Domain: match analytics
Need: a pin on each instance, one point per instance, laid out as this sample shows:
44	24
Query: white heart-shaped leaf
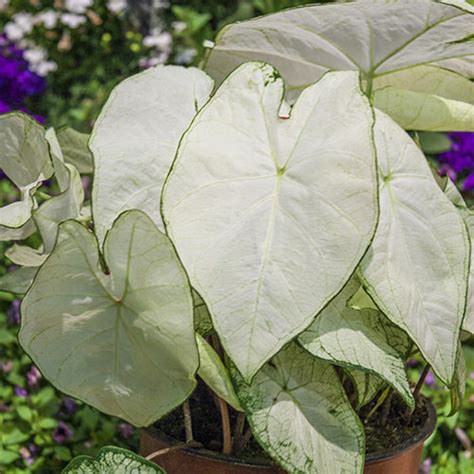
360	339
299	413
266	241
135	138
375	37
417	267
110	339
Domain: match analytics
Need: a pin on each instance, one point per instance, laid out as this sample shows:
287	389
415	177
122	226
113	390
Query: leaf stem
226	433
421	380
188	422
162	451
238	431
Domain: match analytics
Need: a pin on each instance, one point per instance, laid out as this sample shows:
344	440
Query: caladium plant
280	235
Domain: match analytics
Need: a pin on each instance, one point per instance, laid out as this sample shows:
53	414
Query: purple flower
125	430
412	363
425	467
68	406
33	376
27	456
458	162
17	81
13	313
63	433
430	379
21	392
471	375
4	408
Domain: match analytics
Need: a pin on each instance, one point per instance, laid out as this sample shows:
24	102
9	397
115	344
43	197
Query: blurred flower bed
59	60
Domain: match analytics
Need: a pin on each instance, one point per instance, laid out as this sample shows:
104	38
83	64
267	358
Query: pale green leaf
458	387
25	256
416	269
420	111
376	37
300	415
202	318
24	157
110	339
468	216
215	374
112	460
266	242
64	206
25	160
430	80
19	280
366	384
135	138
74	146
360	339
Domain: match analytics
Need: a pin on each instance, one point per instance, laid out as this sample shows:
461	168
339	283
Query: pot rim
400	448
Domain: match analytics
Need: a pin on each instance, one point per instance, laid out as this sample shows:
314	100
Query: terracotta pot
402	459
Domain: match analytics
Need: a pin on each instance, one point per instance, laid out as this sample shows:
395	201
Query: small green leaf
47	423
112	460
8	457
215	374
25	413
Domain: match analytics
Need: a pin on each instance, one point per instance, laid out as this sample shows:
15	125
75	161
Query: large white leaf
376	37
360	339
110	339
416	269
270	216
299	413
135	138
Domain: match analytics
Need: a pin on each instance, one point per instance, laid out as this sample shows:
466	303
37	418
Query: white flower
185	56
49	19
117	6
72	20
35	56
44	68
3	4
78	6
161	41
179	26
24	21
13	31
